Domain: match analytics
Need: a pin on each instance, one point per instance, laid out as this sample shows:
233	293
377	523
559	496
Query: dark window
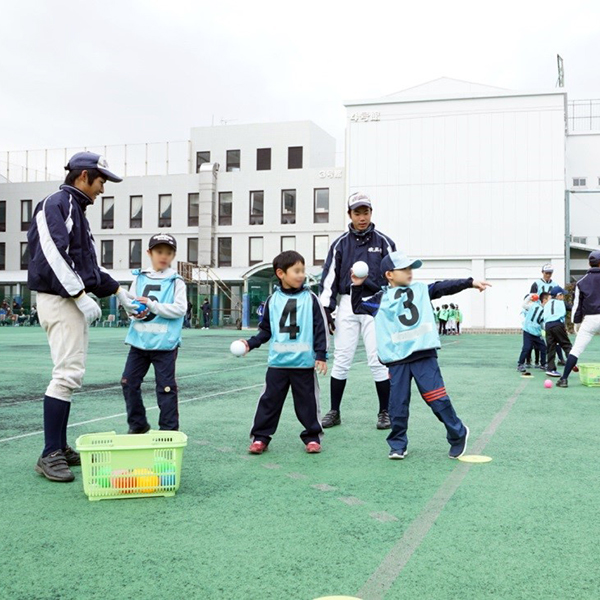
135	254
233	160
193	203
24	255
288	242
201	158
321	205
106	254
224	252
25	214
164	210
320	249
579	182
257	200
263	159
3	215
108	212
2	256
136	210
255	250
288	207
295	157
192	250
225	208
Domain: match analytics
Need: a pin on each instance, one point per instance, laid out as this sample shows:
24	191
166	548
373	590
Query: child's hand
356	280
481	285
247	346
321	367
144	313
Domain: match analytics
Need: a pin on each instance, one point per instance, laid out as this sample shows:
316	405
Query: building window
108	212
255	250
164	210
201	158
320	249
579	181
192	250
577	239
295	157
3	215
106	254
25	214
136	209
321	205
233	160
2	256
193	204
257	200
24	256
135	254
288	207
225	208
288	242
263	159
224	252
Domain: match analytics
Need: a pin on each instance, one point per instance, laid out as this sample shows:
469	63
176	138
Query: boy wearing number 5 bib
295	323
407	340
155	336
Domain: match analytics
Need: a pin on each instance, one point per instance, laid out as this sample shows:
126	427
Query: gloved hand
126	299
330	321
91	311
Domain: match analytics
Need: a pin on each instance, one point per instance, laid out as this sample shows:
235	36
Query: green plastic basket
589	373
131	466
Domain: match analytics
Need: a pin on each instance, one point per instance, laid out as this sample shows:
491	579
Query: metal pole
567	236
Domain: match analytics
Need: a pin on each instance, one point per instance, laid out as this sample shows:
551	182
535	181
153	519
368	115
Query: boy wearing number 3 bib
295	323
155	336
407	340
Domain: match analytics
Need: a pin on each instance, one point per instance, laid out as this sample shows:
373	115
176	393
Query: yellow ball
147	481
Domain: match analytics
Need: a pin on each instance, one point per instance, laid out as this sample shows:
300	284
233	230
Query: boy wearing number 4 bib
155	336
407	341
295	323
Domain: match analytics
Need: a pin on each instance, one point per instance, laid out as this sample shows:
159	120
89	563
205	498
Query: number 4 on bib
290	312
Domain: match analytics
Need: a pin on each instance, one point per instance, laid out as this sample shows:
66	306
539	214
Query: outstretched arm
450	287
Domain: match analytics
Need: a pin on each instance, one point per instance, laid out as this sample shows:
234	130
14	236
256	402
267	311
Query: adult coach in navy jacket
361	242
63	269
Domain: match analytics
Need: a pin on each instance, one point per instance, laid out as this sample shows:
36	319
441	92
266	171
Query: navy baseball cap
359	199
90	160
162	238
397	260
594	258
556	290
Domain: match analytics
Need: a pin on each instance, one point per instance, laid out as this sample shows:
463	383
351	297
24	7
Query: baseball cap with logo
162	238
397	260
90	160
359	199
594	258
547	268
556	290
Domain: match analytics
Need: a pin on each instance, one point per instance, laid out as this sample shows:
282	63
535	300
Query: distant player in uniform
295	324
63	269
555	312
154	336
533	321
459	318
407	341
443	317
586	314
365	243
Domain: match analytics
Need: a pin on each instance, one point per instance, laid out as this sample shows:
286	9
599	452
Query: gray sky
78	73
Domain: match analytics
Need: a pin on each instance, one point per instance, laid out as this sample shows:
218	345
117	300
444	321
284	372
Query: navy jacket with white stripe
62	254
587	295
369	246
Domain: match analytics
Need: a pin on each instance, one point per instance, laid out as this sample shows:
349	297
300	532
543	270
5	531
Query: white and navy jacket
62	254
587	295
369	246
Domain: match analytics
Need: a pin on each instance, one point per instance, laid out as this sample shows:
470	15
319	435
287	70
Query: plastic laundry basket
131	466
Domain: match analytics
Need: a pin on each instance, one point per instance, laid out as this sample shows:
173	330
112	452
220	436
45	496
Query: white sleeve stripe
575	301
326	293
388	240
70	280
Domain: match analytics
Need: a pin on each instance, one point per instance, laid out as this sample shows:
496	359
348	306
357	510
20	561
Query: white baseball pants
589	327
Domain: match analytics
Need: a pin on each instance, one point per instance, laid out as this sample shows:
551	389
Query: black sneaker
521	368
528	365
145	429
383	420
331	419
459	448
562	383
54	467
73	459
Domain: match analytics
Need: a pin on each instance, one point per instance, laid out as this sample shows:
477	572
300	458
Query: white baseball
237	348
360	269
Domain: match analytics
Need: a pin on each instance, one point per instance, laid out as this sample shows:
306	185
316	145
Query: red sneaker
313	447
257	447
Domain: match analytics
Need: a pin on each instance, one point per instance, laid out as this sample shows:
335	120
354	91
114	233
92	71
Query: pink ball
547	384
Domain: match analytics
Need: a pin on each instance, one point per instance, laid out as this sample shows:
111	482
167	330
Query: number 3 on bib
290	311
408	321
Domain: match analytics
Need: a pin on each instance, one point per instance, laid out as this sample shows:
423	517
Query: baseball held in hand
237	348
360	269
139	307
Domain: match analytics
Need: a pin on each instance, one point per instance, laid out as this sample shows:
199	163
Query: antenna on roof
560	82
225	121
